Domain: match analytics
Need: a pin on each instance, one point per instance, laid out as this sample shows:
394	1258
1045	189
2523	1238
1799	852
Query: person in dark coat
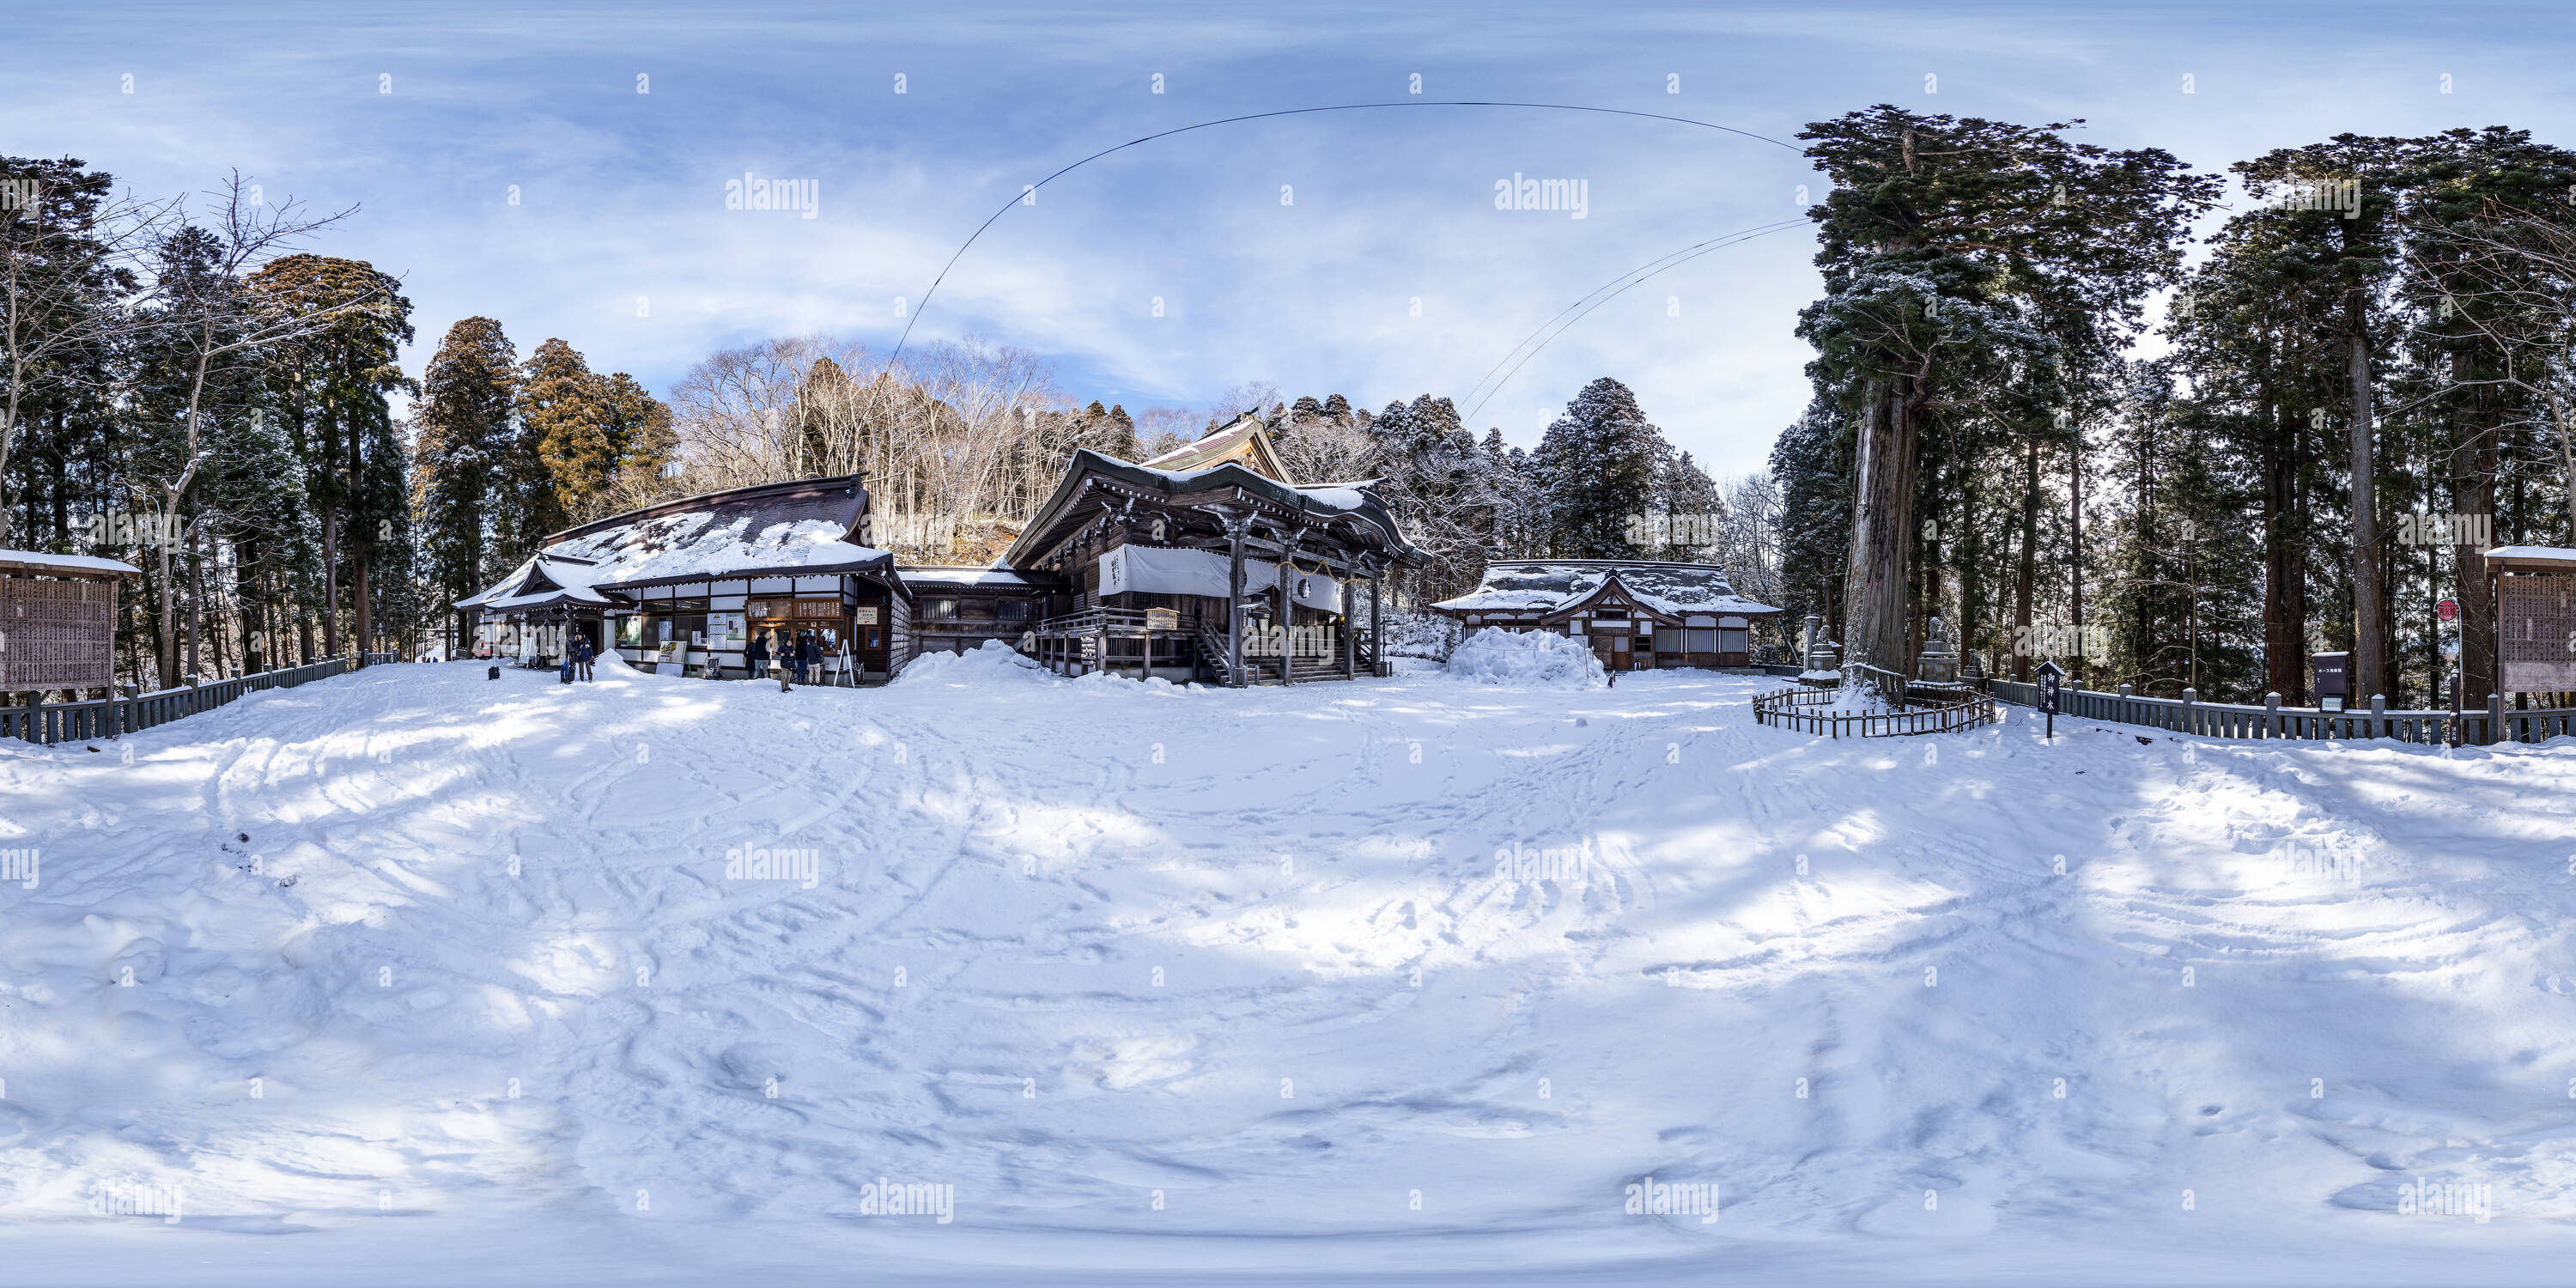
809	652
755	659
582	655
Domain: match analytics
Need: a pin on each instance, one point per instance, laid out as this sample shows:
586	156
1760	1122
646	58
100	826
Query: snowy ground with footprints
662	981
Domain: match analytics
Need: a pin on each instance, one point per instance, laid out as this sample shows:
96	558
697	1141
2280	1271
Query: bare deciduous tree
208	316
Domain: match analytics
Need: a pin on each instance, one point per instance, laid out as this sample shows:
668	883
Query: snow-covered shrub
1411	634
1541	658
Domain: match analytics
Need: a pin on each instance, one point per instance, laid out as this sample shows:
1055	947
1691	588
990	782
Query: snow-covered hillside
435	979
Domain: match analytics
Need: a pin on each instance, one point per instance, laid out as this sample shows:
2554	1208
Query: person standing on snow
781	649
807	654
755	659
582	653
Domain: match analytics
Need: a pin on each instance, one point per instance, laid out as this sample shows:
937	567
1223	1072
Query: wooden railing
1797	709
2188	714
1093	622
110	717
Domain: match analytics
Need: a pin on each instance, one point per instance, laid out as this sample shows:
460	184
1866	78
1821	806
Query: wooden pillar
1350	642
1236	527
1287	590
1377	624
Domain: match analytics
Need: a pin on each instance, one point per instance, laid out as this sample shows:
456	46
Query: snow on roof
66	565
1340	496
2542	555
696	547
1244	440
777	529
965	575
1544	586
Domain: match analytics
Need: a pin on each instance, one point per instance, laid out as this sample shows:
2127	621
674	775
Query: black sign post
2334	690
2049	674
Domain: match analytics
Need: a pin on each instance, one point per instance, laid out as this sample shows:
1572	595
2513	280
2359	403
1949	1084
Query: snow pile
1538	658
992	662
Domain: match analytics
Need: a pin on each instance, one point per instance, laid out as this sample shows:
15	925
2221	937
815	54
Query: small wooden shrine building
1638	615
2533	589
957	608
58	621
1210	563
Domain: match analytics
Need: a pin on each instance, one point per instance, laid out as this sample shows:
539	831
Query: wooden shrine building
1638	615
682	585
1210	563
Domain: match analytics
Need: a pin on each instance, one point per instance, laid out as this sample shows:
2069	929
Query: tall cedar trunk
246	594
358	552
2303	539
1927	589
362	549
196	602
1882	521
1972	586
165	611
218	642
2075	557
62	488
2473	488
2370	638
2285	579
2026	575
330	582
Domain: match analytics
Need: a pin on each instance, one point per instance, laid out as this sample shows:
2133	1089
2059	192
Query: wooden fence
109	717
1790	709
2188	714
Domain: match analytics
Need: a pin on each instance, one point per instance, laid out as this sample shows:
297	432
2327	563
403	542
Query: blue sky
621	195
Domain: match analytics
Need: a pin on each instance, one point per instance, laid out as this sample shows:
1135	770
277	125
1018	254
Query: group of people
772	652
577	657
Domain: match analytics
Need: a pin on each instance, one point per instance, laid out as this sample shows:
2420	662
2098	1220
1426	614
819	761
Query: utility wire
1721	243
1656	265
1257	116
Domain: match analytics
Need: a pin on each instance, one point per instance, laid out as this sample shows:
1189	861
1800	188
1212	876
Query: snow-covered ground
441	980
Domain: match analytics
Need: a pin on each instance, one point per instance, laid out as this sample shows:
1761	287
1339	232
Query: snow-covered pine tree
1691	508
1812	465
1597	465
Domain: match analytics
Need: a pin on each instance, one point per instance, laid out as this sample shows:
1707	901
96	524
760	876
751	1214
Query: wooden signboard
57	634
2536	633
1162	619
